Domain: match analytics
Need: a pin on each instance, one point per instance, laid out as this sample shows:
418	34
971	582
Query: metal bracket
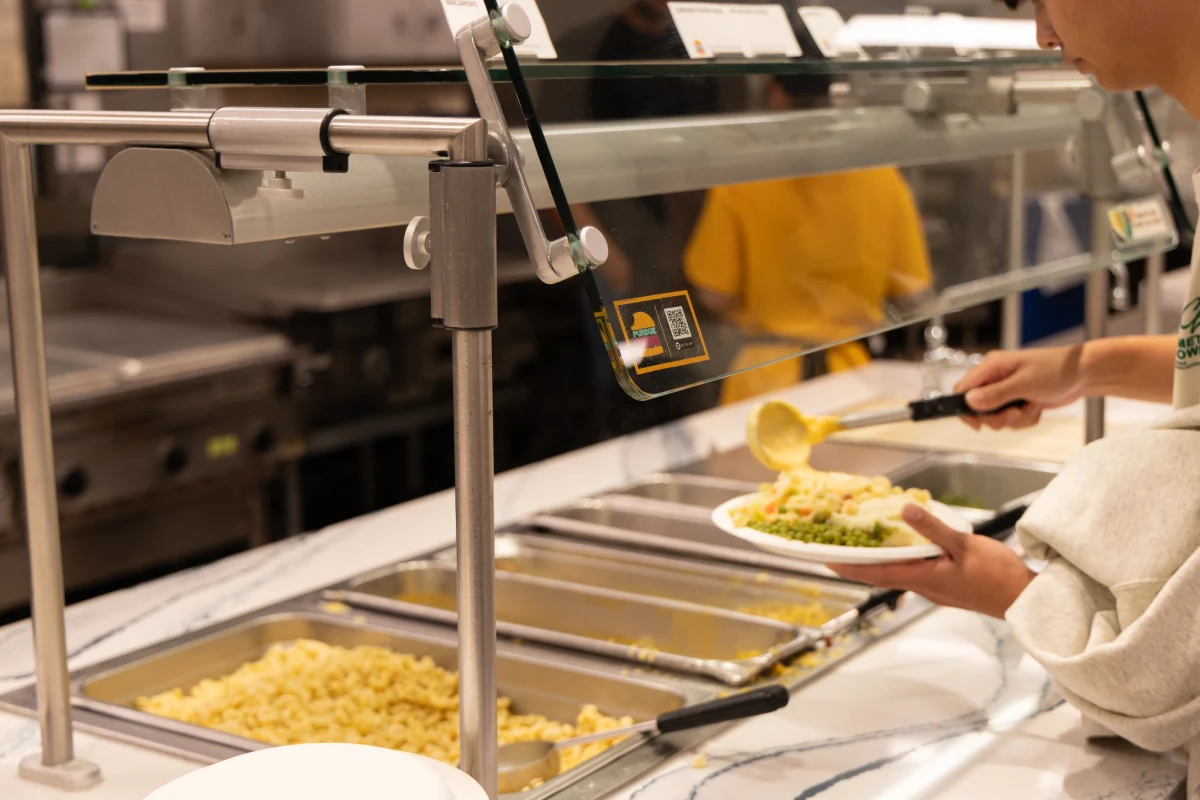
275	139
185	97
350	97
418	250
556	260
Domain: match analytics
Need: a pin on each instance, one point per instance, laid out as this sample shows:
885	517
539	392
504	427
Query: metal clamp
275	139
184	96
556	260
351	97
417	248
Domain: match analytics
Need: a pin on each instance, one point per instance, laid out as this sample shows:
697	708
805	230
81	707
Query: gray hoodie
1115	615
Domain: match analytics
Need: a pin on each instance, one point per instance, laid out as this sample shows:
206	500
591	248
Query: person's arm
1129	367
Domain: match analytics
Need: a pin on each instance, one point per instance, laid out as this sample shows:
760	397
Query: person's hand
1044	378
975	573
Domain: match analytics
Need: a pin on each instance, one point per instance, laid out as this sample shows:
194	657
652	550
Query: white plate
323	772
832	553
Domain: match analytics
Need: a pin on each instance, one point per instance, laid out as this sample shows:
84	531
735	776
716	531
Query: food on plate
832	508
309	691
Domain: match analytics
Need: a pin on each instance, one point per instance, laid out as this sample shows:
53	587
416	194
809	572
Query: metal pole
173	129
1100	185
464	260
1096	308
1011	325
476	556
1156	265
56	764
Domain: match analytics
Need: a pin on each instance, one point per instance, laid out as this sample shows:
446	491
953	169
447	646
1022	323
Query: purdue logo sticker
660	332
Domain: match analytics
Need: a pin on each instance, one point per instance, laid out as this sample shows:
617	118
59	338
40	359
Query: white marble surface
949	708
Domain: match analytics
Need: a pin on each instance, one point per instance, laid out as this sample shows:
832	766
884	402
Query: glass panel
558	70
741	235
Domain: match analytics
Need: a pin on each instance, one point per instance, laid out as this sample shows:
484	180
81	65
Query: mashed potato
309	691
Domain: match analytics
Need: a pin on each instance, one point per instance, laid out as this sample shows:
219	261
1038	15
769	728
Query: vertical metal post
1156	266
464	260
56	765
1011	323
1100	185
1095	324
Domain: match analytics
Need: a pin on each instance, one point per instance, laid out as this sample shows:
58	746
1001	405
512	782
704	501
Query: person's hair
1013	4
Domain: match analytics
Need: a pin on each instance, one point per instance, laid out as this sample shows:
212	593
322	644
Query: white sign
77	44
710	30
460	13
827	28
945	31
144	16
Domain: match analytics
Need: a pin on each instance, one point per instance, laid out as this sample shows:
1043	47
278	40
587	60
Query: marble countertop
948	708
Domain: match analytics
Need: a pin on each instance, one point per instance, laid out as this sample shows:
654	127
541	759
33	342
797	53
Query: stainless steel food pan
803	601
732	647
859	459
629	523
696	491
976	481
534	680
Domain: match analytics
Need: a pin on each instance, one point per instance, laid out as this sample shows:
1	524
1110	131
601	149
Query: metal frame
468	215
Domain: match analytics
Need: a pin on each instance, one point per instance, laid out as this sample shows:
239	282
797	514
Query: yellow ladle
782	437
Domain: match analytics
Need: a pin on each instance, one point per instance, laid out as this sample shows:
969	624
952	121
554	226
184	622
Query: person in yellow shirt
805	261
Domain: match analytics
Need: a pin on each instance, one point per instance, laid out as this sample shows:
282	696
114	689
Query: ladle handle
762	700
952	405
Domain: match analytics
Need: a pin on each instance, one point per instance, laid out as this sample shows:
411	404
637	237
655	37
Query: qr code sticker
678	322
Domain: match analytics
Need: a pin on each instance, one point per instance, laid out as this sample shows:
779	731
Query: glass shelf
562	70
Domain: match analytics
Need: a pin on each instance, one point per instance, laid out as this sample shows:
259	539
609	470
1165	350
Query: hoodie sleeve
1115	615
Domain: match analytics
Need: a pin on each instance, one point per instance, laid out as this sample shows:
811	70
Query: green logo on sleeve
1187	355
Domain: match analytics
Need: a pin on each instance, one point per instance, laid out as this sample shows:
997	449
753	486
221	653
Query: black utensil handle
762	700
952	405
889	598
1002	523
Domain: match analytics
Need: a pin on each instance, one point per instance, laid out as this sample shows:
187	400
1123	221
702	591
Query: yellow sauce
782	437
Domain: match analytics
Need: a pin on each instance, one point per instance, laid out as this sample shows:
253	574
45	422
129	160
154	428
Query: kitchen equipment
523	763
161	423
830	553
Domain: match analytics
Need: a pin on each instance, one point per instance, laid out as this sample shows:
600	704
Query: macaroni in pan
309	691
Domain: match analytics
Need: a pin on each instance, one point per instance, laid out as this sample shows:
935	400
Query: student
805	261
1114	616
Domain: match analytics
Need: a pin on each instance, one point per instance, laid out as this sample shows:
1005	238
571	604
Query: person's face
1120	42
